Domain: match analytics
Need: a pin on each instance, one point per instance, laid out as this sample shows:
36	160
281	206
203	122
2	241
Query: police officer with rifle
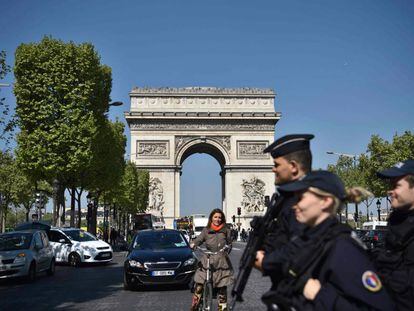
266	246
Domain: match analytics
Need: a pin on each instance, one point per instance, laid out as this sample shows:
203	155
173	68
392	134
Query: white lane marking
236	249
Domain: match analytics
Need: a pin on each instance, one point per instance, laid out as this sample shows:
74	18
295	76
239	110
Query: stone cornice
200	115
265	168
194	124
201	92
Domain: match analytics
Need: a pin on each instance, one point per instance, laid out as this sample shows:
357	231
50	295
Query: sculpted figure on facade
253	195
156	195
152	149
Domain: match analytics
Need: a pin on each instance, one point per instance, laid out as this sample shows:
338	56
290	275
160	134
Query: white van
374	225
199	223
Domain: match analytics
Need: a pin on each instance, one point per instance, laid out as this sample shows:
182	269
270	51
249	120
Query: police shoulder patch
371	281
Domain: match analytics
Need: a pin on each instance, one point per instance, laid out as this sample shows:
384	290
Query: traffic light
38	200
239	211
234	218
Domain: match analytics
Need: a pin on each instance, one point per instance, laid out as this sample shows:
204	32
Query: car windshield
16	241
159	240
80	235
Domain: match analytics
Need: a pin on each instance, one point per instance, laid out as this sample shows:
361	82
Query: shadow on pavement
66	290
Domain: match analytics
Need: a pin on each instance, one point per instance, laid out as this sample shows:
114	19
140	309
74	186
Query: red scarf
216	228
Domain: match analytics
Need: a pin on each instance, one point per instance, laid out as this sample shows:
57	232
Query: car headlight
189	262
87	248
20	258
134	263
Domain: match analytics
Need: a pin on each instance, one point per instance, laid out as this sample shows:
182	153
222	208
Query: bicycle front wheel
208	297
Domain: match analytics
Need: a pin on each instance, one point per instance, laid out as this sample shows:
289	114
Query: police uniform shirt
348	278
395	263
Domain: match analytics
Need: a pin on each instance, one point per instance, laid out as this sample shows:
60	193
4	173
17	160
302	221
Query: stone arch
202	145
167	125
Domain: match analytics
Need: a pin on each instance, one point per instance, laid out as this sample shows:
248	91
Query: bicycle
207	295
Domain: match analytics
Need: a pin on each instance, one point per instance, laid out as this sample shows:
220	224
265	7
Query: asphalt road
100	287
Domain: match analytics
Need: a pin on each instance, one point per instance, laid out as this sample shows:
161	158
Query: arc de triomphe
233	125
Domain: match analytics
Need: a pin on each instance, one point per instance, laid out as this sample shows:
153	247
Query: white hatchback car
76	246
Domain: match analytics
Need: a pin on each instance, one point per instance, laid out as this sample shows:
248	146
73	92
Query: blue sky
342	70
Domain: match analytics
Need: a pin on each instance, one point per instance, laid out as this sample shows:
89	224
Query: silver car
25	253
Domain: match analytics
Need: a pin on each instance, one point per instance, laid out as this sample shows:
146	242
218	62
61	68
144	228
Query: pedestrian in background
395	261
327	269
215	236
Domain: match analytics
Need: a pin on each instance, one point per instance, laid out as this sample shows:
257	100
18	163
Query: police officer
395	261
327	269
292	161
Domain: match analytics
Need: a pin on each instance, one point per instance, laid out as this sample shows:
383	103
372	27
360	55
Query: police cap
398	170
323	180
288	144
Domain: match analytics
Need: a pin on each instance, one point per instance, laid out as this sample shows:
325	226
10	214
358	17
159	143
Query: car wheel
74	260
51	270
31	276
127	282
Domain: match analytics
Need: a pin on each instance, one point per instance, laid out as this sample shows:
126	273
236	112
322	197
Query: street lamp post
379	209
117	103
105	222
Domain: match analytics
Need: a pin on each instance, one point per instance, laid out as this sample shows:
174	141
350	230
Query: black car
159	257
374	238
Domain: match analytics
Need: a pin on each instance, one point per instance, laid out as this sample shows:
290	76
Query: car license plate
106	255
162	273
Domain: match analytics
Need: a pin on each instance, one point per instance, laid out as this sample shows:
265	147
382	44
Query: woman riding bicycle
215	236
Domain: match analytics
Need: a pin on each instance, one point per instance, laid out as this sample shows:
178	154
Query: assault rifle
260	226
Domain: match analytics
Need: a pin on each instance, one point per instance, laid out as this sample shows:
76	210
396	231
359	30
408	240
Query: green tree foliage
7	176
106	165
62	93
133	195
6	125
384	154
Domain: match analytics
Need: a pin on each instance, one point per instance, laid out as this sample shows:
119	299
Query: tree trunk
72	206
63	205
94	214
79	207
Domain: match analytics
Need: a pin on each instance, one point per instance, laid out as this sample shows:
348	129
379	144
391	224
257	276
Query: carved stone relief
222	140
156	195
152	149
180	126
251	149
253	195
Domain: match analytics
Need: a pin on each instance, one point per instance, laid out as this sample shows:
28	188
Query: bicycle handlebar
212	253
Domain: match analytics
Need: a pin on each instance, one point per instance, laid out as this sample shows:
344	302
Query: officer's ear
327	204
294	167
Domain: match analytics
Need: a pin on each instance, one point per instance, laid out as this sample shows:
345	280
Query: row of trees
66	141
381	154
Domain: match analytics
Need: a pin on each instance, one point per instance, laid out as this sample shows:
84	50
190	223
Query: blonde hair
353	195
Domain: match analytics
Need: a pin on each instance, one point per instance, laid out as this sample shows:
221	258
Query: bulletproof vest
303	265
278	232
